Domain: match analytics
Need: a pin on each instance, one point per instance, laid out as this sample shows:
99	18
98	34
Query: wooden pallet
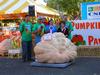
88	51
17	55
14	53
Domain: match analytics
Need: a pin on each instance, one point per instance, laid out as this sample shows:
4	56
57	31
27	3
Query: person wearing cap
26	33
38	30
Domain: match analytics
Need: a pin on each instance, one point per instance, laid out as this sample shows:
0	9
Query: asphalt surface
82	66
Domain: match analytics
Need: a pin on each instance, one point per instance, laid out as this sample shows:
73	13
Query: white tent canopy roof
21	6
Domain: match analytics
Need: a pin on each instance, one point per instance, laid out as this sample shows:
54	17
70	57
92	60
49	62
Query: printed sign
90	10
93	11
88	31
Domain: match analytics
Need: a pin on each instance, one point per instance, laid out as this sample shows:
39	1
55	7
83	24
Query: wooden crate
89	51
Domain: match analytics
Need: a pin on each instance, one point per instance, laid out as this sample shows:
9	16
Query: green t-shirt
37	26
26	36
69	25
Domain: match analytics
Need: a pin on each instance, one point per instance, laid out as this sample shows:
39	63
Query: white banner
89	30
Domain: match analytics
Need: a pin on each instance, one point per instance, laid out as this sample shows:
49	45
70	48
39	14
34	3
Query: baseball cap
39	18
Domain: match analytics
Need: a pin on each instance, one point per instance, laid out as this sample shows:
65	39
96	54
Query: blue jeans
27	50
37	39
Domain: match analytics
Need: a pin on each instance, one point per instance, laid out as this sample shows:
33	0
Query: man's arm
35	30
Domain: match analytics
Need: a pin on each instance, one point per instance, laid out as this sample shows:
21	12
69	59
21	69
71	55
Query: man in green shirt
69	26
38	30
26	33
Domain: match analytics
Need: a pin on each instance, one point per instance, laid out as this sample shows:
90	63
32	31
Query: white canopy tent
21	6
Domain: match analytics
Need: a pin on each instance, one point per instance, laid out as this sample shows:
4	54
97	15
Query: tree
67	6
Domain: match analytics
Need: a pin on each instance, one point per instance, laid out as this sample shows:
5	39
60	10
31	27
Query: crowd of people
42	26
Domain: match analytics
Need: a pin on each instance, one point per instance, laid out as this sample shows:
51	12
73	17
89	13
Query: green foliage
80	43
67	6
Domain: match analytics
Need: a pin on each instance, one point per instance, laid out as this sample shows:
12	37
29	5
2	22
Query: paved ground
82	66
